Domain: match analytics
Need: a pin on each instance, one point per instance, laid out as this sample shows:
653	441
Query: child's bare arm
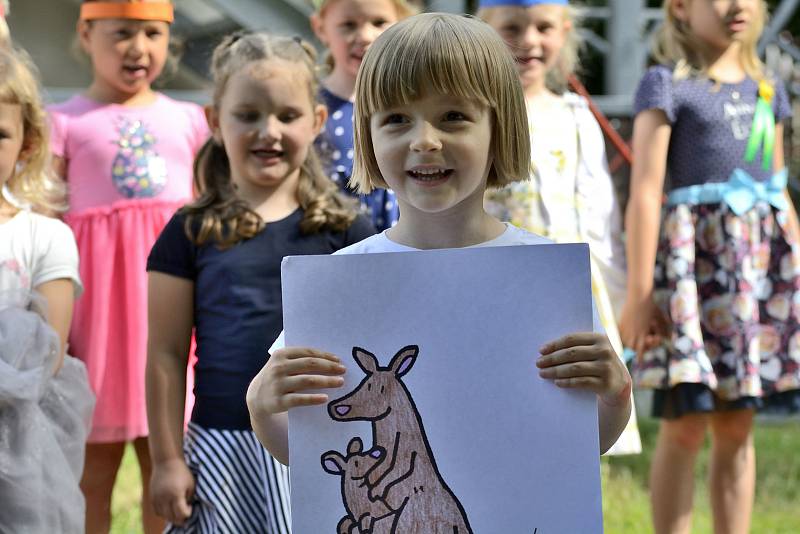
588	361
283	383
642	324
60	297
170	318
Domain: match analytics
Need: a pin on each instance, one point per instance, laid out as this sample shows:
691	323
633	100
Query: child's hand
642	326
586	361
171	491
282	383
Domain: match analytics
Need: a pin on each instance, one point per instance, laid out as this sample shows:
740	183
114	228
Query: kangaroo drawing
407	480
362	512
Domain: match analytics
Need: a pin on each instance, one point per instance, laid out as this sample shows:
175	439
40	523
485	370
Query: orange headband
162	11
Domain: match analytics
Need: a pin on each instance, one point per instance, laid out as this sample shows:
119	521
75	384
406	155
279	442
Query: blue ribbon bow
741	192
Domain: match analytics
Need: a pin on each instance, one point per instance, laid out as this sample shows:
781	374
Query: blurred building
46	29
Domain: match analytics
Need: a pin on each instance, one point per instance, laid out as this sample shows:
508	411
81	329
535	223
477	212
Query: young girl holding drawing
216	268
439	130
570	197
714	296
348	28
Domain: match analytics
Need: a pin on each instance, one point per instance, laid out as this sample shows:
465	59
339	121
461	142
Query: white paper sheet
505	451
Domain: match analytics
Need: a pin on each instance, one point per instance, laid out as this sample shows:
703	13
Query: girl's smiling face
348	28
267	121
535	36
435	152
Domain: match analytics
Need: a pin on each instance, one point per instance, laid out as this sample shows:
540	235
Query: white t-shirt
35	249
377	243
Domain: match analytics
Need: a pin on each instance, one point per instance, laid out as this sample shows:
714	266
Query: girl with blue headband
570	196
713	286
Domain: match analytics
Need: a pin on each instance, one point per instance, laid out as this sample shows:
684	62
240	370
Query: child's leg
150	521
99	473
732	474
672	472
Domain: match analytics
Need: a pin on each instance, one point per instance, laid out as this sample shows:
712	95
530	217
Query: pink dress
128	170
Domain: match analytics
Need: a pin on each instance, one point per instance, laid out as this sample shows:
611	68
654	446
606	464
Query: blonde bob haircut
676	45
450	55
33	184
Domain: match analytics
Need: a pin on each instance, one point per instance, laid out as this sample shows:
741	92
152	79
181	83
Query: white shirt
377	243
35	249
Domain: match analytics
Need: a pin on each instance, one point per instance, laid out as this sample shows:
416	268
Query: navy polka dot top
335	146
710	124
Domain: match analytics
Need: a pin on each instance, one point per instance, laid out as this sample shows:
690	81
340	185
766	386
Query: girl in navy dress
216	269
712	302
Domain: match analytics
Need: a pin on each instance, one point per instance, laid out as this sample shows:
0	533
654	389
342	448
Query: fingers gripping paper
443	421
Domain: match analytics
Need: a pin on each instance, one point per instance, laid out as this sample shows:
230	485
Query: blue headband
519	3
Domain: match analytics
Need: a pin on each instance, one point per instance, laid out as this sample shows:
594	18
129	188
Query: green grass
127	514
626	506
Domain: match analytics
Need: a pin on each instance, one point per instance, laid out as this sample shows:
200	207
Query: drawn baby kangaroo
407	480
362	513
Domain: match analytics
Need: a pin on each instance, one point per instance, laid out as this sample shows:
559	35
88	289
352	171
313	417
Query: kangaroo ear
355	446
333	463
366	360
404	359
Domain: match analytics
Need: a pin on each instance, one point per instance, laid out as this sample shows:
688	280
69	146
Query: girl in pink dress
126	153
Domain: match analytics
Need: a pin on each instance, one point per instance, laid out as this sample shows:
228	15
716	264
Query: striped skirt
239	487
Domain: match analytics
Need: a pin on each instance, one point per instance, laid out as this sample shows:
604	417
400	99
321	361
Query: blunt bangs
450	55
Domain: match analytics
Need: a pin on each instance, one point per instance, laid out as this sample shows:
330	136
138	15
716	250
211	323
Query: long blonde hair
453	55
219	214
676	45
34	183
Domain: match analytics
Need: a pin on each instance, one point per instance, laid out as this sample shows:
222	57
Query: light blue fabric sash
740	192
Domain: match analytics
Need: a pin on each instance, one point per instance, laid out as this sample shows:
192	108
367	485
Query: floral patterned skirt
730	286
